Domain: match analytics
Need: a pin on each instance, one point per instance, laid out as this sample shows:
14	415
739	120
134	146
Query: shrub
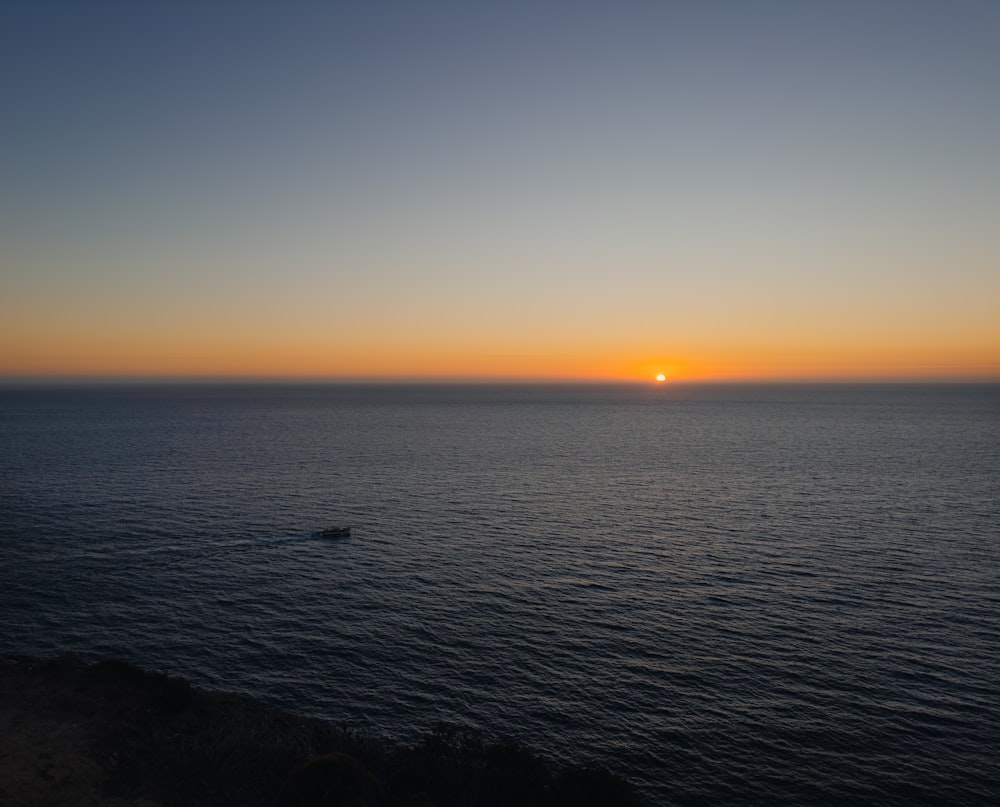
333	780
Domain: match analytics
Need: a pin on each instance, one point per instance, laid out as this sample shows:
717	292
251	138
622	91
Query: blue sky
477	185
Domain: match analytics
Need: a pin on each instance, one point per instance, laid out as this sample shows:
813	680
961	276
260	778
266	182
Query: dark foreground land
112	734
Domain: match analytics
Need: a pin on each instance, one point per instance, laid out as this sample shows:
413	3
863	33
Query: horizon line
275	380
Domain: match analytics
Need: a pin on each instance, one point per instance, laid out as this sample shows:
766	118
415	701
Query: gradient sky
501	190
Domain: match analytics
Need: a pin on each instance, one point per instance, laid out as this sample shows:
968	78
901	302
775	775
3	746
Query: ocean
731	595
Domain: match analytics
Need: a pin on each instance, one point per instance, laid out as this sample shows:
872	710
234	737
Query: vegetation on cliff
112	733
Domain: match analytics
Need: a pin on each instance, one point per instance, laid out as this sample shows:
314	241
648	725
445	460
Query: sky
507	190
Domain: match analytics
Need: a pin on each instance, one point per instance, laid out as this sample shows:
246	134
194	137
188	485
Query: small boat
334	532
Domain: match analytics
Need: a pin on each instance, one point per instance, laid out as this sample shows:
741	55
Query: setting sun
661	377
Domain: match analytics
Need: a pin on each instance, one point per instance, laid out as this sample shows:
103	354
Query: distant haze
609	191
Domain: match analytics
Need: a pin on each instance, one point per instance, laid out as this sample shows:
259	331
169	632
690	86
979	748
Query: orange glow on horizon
216	359
73	345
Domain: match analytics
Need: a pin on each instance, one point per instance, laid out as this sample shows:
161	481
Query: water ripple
742	597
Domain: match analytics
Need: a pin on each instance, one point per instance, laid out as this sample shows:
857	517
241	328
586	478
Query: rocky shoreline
110	733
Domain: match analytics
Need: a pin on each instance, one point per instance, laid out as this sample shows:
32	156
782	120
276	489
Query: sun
661	377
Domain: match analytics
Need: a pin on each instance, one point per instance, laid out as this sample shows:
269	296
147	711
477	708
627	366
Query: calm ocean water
730	595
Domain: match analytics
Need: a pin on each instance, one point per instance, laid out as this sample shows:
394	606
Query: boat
334	532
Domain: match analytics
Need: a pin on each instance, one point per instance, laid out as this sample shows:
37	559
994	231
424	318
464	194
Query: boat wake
256	543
